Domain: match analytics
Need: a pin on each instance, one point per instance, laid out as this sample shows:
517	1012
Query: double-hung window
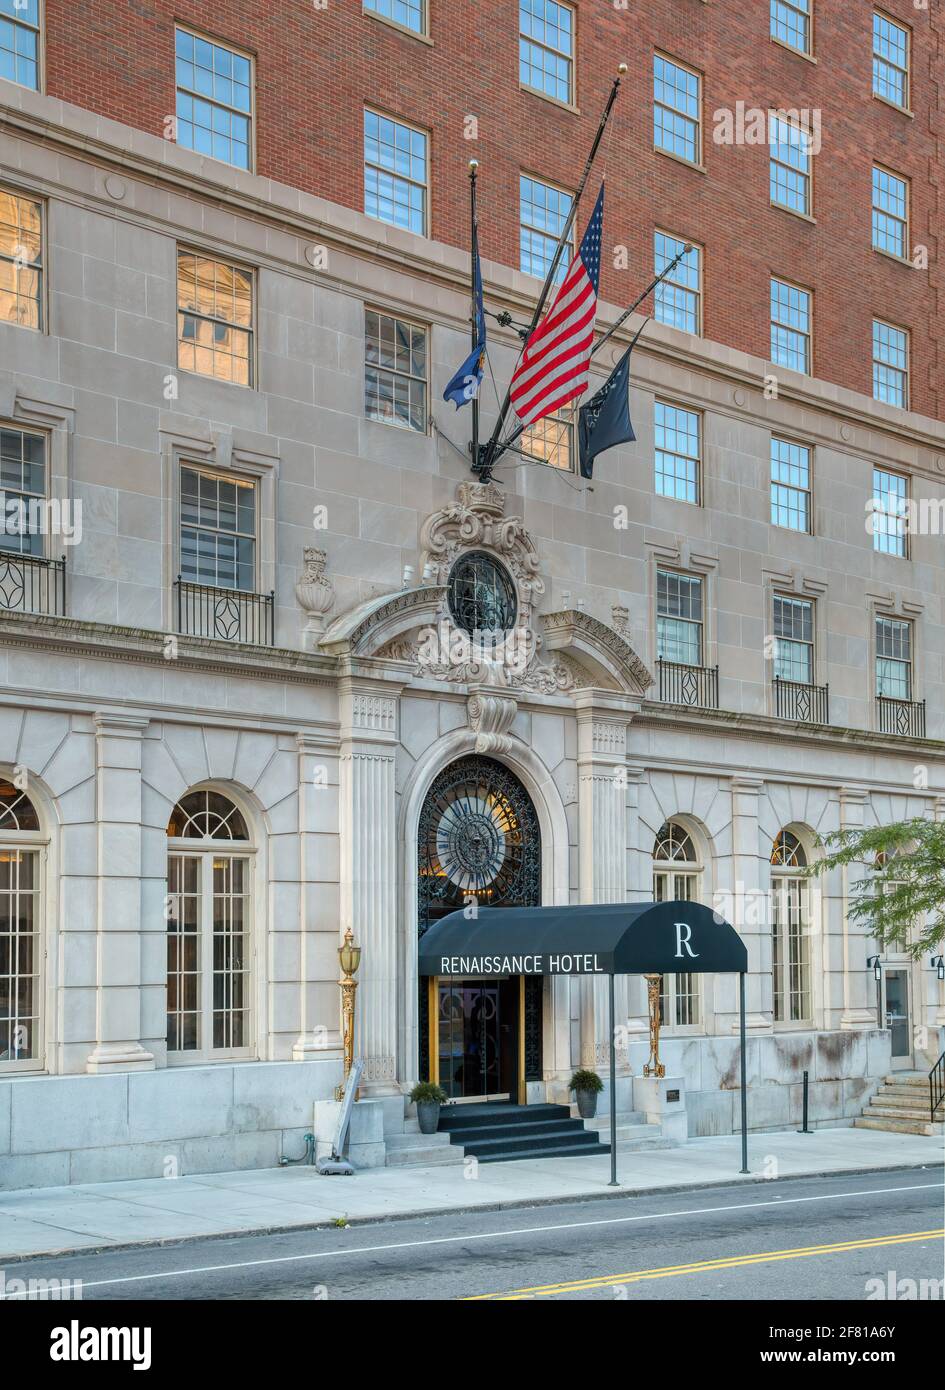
543	211
214	318
678	452
551	439
395	371
790	326
790	485
889	512
894	659
790	165
217	530
890	364
21	260
19	42
677	110
890	213
214	99
22	492
679	617
396	172
794	639
790	23
546	48
409	14
890	61
678	300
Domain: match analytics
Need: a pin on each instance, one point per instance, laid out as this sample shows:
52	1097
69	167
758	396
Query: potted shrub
428	1097
586	1086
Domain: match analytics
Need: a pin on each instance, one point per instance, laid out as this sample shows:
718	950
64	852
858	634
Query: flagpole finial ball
622	69
474	165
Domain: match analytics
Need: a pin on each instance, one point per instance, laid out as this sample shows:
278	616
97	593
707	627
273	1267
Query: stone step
907	1078
904	1095
411	1138
880	1106
420	1150
885	1122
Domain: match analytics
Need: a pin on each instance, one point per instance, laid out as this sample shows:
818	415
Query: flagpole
473	170
484	466
520	429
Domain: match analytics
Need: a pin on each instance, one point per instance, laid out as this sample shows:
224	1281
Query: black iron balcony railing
231	615
32	584
680	684
796	700
906	717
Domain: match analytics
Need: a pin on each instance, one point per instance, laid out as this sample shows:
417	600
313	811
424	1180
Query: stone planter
428	1115
586	1104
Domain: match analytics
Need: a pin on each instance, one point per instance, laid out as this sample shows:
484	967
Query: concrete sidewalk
102	1215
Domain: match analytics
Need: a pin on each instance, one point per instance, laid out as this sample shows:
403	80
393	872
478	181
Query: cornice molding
711	721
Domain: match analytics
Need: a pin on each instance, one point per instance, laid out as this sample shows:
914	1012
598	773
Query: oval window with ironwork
481	595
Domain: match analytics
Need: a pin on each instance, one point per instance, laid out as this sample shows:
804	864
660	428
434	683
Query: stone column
859	1009
752	880
602	809
318	809
368	815
118	815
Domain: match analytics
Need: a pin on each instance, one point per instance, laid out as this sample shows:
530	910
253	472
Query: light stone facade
328	741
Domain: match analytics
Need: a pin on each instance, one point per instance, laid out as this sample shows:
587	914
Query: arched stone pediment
601	647
374	626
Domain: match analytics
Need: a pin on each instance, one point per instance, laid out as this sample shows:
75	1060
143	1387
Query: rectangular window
395	173
679	617
395	371
679	296
893	659
790	326
214	100
217	530
890	364
790	949
22	483
677	452
21	260
677	110
890	213
889	512
208	956
890	61
407	13
790	165
551	440
794	639
790	485
214	318
546	48
20	954
790	22
543	211
19	42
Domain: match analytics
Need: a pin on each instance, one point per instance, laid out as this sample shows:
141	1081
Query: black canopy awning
591	939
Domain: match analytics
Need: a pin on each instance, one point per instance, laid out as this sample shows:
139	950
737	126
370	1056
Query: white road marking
483	1235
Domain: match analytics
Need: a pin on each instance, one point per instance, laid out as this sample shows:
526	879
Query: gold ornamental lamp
654	1067
349	958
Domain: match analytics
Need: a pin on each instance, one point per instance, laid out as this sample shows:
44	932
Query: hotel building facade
243	554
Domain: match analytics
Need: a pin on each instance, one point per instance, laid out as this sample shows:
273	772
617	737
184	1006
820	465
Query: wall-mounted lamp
938	964
876	965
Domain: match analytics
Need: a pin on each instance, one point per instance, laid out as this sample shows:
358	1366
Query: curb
569	1199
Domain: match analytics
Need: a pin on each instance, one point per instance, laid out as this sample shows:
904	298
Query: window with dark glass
679	617
22	490
481	595
395	371
217	530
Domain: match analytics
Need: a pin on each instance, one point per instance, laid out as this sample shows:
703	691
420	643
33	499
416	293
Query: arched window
21	954
677	875
790	931
208	929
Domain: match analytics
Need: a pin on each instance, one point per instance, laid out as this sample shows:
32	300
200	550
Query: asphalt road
803	1239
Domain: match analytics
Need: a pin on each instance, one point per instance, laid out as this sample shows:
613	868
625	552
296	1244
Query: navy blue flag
465	385
605	420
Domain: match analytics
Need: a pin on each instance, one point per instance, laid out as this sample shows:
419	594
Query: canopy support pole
613	1090
742	1069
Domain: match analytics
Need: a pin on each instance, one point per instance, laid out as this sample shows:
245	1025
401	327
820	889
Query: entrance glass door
477	1037
895	1015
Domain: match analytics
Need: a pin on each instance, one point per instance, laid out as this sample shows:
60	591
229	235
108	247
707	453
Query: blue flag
605	420
464	386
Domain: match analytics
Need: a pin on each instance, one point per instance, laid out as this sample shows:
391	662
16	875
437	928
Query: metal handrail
936	1086
683	684
801	701
905	717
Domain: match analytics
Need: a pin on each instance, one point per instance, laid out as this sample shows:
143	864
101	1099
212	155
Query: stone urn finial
315	592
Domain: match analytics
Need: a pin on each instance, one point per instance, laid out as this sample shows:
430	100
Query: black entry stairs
498	1132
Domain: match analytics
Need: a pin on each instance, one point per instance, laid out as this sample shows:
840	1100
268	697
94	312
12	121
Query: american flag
554	366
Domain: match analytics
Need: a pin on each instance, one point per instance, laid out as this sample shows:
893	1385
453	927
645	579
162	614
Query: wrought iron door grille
230	615
800	702
32	584
680	684
905	717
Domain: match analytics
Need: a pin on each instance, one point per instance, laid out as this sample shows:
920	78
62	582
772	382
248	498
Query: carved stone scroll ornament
490	717
315	591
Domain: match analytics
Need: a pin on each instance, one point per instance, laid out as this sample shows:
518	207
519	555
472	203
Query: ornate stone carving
620	619
315	591
565	627
490	716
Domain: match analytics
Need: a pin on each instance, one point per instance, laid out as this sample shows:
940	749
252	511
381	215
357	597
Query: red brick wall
316	68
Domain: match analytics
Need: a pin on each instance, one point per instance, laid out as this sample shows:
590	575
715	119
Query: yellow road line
732	1262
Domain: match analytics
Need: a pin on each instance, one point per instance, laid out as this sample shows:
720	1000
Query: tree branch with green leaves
900	899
